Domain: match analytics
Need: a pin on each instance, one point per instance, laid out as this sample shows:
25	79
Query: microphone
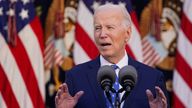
106	77
127	79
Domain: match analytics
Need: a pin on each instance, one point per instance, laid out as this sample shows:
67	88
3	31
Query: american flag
150	56
21	61
182	83
153	51
84	47
54	34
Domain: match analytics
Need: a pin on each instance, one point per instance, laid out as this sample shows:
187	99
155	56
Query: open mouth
105	44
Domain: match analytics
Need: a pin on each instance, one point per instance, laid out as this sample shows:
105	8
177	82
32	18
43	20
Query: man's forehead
108	9
107	18
108	15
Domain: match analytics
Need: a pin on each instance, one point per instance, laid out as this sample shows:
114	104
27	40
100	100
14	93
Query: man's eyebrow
112	25
96	25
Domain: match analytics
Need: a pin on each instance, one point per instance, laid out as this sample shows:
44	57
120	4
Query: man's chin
106	54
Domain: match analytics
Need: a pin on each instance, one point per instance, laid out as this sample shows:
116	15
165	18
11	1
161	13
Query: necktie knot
115	66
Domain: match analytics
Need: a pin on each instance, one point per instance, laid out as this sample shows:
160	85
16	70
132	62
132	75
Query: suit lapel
92	77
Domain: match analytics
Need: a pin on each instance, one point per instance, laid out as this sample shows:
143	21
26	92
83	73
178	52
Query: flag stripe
14	76
6	91
25	67
35	58
149	55
85	42
130	52
182	90
85	20
27	73
153	59
49	50
177	103
185	48
49	62
148	52
49	44
2	102
49	54
187	9
145	42
146	45
80	56
36	27
146	48
185	72
156	58
187	27
182	84
58	57
134	20
135	40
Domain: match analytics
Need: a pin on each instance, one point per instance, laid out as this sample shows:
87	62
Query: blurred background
40	40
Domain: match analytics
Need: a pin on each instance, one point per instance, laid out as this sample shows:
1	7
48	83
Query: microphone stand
117	98
126	94
109	96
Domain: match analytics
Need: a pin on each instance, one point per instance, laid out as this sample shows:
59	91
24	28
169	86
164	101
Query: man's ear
128	32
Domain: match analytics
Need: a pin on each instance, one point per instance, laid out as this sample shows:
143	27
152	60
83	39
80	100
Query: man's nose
103	33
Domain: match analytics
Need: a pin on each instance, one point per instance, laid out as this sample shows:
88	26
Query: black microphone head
128	77
106	77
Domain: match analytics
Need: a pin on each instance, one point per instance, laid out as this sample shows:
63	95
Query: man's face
110	34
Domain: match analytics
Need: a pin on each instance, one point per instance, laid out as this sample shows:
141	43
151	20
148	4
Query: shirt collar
123	62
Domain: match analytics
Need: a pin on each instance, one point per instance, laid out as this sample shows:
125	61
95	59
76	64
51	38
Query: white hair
127	19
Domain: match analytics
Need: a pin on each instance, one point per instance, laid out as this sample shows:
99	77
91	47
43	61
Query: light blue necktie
115	87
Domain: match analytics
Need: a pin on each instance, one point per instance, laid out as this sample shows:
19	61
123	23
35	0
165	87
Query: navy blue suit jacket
84	77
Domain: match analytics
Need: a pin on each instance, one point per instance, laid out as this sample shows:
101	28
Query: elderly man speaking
112	30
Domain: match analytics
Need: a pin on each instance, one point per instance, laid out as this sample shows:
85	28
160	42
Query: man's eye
97	28
109	27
